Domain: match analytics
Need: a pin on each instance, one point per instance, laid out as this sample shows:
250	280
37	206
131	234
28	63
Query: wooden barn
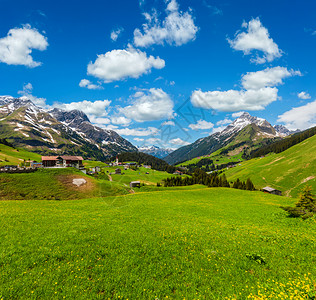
134	184
271	190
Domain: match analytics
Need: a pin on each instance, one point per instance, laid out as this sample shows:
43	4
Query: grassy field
287	171
11	156
55	184
151	178
217	158
191	243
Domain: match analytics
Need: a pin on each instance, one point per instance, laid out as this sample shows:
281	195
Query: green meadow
288	171
11	156
55	184
184	243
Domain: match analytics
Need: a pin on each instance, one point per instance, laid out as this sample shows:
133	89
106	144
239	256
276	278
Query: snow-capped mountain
283	131
246	129
56	131
155	151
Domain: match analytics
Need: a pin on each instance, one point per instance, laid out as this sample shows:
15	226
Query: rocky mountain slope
56	131
244	132
156	151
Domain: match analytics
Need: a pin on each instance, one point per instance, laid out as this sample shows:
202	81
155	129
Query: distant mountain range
56	131
245	132
156	151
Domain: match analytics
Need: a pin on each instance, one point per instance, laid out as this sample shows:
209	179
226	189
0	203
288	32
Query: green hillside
177	244
55	184
15	156
287	171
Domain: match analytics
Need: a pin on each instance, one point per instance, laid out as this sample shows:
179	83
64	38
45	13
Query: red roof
65	157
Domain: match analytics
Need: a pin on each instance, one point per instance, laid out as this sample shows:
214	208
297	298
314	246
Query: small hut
271	190
134	184
118	171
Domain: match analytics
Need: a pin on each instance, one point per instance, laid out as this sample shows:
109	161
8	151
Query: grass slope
176	244
11	156
55	184
288	171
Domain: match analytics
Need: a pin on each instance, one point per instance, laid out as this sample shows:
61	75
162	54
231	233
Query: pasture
288	171
185	243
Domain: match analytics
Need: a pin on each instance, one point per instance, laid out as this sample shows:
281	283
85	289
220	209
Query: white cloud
267	78
120	120
137	131
138	139
120	64
168	123
93	109
301	117
259	91
304	95
256	38
237	114
99	121
223	122
16	47
115	34
201	124
179	142
27	92
153	141
177	28
85	83
149	105
233	100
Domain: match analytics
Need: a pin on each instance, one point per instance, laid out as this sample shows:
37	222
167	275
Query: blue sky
163	72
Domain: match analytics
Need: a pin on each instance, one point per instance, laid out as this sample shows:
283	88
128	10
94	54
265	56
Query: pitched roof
268	189
66	157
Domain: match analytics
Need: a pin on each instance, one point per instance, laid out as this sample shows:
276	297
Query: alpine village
194	175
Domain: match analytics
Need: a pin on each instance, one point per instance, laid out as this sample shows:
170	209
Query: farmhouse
271	190
118	171
62	161
134	184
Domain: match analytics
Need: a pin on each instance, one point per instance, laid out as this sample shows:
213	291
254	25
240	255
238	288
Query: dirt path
110	177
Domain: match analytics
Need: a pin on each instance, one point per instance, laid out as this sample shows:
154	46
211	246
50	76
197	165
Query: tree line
284	144
211	180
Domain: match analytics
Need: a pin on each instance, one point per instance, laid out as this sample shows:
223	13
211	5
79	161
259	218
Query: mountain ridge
261	129
56	131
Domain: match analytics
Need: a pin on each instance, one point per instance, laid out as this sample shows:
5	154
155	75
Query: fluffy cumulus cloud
237	114
258	91
201	124
168	123
301	117
120	64
179	142
177	28
16	48
233	100
223	122
94	109
85	83
27	92
115	34
267	78
137	131
304	95
255	38
138	139
149	105
120	120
